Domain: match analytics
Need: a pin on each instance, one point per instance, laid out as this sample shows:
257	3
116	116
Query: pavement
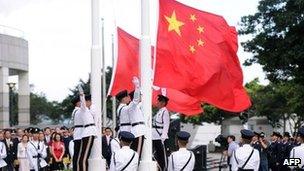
213	162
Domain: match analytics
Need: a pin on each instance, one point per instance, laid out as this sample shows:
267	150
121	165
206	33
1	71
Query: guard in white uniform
125	158
182	159
2	155
137	119
89	132
114	142
161	122
298	151
37	152
245	158
125	106
78	129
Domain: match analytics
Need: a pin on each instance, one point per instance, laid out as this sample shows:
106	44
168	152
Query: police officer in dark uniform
284	148
273	152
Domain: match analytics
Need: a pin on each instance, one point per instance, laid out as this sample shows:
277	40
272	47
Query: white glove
135	81
163	140
80	90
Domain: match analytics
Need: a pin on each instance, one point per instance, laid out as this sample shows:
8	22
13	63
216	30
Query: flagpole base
147	166
97	164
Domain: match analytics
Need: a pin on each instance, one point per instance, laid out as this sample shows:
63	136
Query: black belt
138	123
159	127
125	124
89	125
83	126
35	156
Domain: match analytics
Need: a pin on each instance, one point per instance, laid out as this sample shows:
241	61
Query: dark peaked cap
162	98
121	95
75	100
301	131
247	134
126	136
88	97
183	135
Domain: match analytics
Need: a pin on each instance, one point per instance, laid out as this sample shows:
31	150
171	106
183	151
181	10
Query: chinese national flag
127	63
196	54
128	66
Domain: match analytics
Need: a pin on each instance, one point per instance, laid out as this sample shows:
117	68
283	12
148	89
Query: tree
277	41
66	105
42	109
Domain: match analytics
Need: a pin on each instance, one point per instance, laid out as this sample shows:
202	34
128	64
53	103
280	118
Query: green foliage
42	109
277	43
66	104
277	39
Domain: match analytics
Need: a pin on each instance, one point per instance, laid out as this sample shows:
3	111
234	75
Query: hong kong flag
127	66
196	54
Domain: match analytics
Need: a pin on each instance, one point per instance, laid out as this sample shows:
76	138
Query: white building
14	62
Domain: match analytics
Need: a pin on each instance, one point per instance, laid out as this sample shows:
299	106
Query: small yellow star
174	24
193	18
200	42
200	29
192	49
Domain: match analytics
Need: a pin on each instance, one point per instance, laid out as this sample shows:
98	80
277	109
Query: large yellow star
174	24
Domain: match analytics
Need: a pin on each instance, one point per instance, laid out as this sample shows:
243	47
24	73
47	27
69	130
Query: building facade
14	61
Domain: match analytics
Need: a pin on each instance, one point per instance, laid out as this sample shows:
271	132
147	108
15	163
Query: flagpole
146	84
104	95
113	98
96	162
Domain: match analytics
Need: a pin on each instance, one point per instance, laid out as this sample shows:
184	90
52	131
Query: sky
59	35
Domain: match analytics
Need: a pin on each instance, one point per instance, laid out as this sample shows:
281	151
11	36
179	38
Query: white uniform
179	160
161	123
34	148
298	152
123	112
136	116
78	124
2	155
122	157
115	145
88	120
240	156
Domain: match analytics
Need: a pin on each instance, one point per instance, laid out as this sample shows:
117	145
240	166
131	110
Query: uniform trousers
137	145
160	154
77	145
86	147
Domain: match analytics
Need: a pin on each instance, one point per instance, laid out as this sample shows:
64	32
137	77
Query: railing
6	30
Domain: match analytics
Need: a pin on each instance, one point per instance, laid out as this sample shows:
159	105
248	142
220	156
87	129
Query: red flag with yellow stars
196	54
127	66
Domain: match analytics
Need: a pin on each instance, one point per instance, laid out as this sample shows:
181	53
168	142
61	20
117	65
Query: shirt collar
125	147
247	145
182	149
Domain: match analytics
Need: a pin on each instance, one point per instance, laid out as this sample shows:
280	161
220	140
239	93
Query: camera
222	140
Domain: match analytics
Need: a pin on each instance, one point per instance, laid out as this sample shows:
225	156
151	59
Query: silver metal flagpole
113	98
104	93
96	162
146	84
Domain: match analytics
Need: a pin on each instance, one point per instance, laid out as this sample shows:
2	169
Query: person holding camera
264	144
